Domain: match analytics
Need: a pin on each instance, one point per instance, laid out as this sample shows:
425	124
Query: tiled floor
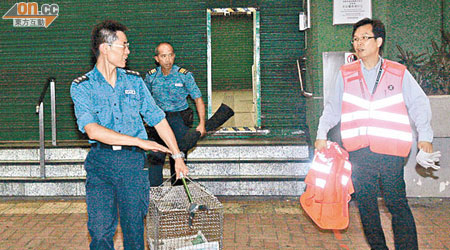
248	224
241	101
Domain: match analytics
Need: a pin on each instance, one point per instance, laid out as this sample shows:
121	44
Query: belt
115	148
172	113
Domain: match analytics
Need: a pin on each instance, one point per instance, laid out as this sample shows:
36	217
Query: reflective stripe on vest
328	188
378	120
348	168
321	168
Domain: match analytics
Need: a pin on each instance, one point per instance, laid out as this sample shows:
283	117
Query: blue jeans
116	184
368	170
157	159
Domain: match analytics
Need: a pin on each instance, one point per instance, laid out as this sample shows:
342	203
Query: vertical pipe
53	109
41	140
442	21
258	69
209	61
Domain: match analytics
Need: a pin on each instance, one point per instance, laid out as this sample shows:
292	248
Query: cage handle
186	188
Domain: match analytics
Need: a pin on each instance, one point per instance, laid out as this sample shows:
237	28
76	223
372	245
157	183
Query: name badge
178	85
130	92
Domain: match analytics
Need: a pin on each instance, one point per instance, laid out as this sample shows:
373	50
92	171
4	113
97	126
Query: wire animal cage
174	223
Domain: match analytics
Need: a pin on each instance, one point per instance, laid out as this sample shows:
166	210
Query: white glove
428	160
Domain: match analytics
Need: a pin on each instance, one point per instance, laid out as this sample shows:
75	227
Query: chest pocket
102	110
131	104
177	91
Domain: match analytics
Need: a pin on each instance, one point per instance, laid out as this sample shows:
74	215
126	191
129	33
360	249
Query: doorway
233	66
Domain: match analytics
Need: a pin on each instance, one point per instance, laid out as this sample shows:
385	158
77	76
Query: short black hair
377	28
105	32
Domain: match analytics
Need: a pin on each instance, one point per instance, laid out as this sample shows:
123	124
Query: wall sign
351	11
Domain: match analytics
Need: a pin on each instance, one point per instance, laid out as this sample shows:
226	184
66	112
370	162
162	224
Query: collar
174	70
96	74
377	66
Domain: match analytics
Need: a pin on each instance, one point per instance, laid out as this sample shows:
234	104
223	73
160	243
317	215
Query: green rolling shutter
30	55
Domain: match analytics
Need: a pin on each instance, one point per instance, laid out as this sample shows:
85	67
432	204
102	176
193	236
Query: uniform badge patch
81	79
178	84
131	72
152	71
183	71
130	92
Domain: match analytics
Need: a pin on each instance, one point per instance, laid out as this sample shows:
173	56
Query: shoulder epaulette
183	71
152	71
81	79
132	72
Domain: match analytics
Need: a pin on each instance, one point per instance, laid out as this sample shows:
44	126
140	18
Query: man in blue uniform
109	102
170	85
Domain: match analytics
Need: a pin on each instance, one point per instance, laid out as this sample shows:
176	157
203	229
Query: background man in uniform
170	85
374	99
109	102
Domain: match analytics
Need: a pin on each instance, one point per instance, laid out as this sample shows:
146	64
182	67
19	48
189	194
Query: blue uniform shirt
170	92
119	108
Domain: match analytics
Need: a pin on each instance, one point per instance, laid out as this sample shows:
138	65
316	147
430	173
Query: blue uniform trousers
368	170
157	159
116	184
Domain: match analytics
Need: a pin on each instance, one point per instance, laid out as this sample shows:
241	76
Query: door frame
256	68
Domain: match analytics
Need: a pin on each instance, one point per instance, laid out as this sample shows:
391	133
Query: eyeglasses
362	39
125	45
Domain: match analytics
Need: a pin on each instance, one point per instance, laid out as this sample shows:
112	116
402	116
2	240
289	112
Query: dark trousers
157	159
116	184
370	169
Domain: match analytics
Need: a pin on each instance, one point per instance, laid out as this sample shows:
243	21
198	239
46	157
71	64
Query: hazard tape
242	130
226	11
238	129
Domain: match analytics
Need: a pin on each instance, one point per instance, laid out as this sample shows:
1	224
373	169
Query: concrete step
71	188
219	151
225	167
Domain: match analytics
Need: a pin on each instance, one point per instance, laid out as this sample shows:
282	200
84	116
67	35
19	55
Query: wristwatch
179	155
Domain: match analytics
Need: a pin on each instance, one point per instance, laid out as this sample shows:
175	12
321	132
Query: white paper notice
351	11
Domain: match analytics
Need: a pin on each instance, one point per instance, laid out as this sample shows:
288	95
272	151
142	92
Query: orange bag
329	187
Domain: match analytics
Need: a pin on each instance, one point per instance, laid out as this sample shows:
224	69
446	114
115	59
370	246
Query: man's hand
200	105
108	136
153	146
428	160
180	167
201	128
320	144
427	147
426	157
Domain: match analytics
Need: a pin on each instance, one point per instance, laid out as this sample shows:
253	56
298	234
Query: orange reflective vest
328	189
379	120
